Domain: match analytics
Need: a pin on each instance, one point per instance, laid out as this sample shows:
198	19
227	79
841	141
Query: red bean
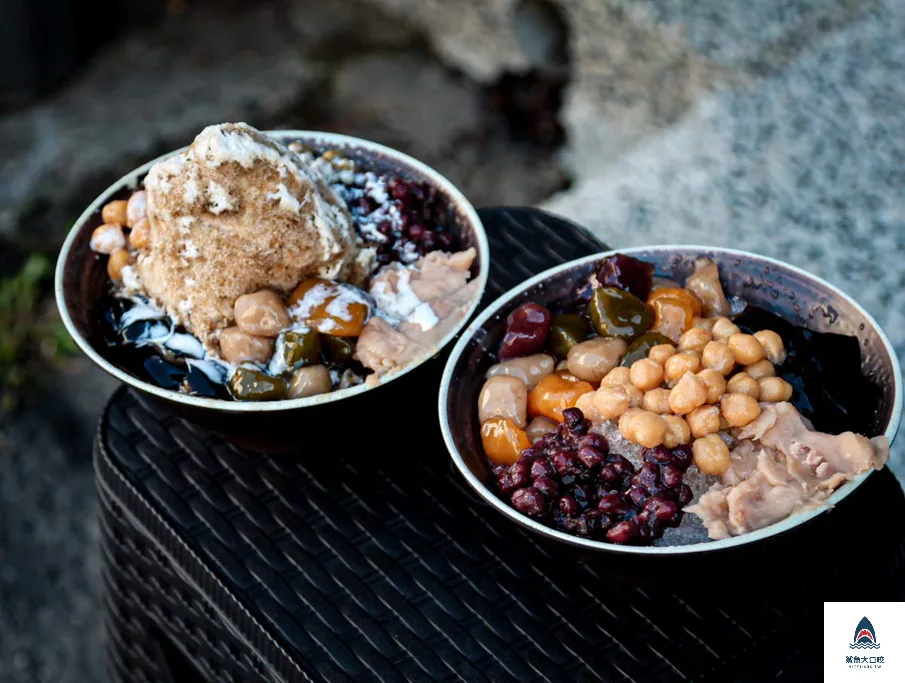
526	331
627	273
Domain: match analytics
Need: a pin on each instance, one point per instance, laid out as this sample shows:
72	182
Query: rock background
774	126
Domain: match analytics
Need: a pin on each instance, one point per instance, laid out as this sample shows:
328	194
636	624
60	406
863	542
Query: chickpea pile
714	379
111	238
689	392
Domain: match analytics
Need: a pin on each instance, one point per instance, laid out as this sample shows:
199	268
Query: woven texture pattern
382	566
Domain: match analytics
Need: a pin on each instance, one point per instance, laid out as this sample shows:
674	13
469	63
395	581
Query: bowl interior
789	292
82	276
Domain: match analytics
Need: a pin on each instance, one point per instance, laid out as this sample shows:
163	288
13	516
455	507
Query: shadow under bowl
81	282
795	295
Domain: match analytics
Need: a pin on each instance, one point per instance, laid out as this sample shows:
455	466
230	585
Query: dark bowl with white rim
81	281
790	292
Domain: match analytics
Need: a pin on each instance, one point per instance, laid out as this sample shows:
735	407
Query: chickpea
646	374
310	381
136	208
539	426
677	431
739	409
677	365
611	401
711	455
774	389
635	395
661	352
746	348
643	427
115	212
760	369
262	314
529	369
703	323
504	397
118	260
140	235
591	360
695	339
237	346
585	403
656	401
723	328
107	238
562	365
688	394
743	383
773	346
703	421
617	376
718	356
626	420
714	382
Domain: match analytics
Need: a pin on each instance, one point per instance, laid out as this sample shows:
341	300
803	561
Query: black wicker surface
377	564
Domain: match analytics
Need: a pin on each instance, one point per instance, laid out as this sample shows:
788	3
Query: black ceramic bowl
81	280
793	294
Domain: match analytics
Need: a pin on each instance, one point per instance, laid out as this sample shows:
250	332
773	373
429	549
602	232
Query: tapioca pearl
310	380
503	396
237	346
261	313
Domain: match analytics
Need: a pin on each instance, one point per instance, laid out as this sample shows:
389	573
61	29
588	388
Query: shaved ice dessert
250	270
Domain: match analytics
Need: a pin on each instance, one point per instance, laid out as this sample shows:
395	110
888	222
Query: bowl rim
709	546
131	178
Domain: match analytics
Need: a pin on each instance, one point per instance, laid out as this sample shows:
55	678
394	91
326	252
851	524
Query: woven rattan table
378	564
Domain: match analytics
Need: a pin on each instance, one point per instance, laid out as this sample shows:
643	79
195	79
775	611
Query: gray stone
636	67
757	36
407	101
414	100
142	97
50	584
340	27
629	74
476	36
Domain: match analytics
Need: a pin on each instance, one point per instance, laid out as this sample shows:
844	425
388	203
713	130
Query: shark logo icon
865	636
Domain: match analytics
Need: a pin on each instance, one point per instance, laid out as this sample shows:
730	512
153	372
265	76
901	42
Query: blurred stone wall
277	63
147	89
